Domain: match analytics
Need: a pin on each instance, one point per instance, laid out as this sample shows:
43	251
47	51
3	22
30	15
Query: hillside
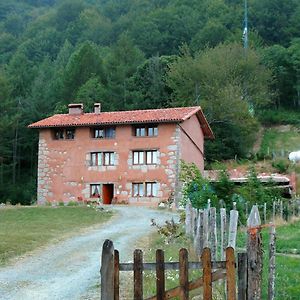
142	54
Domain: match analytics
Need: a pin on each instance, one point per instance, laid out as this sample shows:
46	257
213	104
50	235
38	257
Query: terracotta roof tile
166	115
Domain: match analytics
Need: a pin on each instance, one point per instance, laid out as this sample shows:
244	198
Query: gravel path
70	269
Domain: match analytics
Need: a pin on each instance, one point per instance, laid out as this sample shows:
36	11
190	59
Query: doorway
107	193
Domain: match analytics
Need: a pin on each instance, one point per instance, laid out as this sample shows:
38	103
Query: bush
281	116
281	165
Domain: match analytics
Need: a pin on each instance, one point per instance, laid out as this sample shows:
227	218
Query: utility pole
245	31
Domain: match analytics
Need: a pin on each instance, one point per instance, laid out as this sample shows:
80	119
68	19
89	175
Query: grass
24	229
275	140
287	265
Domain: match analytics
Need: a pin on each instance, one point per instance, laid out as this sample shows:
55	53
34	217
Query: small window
147	130
95	190
138	189
138	157
70	134
62	134
151	189
104	132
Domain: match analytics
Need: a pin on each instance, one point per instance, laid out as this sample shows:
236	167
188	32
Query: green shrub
281	116
72	203
281	165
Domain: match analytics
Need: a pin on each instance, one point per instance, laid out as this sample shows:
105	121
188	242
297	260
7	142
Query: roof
165	115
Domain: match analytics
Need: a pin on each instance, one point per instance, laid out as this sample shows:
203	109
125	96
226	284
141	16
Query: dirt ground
70	269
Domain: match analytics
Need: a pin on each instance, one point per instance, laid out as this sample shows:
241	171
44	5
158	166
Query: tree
120	64
148	88
227	89
83	64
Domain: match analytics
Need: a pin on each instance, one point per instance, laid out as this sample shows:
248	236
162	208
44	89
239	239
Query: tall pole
245	31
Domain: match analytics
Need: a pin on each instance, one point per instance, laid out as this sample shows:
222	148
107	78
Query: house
121	157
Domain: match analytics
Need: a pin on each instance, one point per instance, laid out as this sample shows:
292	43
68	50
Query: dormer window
104	132
146	130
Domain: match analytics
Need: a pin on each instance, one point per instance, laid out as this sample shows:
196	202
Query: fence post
138	274
213	233
197	240
234	215
242	276
254	251
160	275
116	275
205	228
230	274
188	218
274	211
223	232
207	277
107	271
265	213
184	274
281	210
272	251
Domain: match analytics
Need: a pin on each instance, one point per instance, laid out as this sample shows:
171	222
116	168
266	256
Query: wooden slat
195	284
138	274
193	265
116	275
230	274
107	271
207	278
223	232
213	233
160	274
242	276
234	215
183	274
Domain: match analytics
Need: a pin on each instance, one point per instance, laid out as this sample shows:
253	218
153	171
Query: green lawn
23	229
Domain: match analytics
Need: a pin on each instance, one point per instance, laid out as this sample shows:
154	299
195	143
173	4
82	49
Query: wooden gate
211	270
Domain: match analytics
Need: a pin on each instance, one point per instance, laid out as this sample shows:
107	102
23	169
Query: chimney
75	108
97	108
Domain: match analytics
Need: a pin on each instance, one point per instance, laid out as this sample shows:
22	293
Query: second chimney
97	108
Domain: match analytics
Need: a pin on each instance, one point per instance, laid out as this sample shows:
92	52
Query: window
138	189
70	134
138	157
109	158
62	134
151	157
147	130
148	189
95	190
102	159
104	132
148	157
96	159
151	189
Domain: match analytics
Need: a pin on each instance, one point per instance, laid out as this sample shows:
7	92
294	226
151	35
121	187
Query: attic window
64	134
146	130
104	132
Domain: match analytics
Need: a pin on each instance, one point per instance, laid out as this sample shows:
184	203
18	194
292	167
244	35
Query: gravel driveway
70	269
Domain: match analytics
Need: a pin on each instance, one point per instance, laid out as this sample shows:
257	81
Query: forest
136	54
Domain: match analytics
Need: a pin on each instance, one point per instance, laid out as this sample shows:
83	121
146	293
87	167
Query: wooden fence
211	271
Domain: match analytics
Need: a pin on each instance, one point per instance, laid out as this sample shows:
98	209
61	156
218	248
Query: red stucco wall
192	142
64	173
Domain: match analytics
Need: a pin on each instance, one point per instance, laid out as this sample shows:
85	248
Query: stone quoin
128	157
